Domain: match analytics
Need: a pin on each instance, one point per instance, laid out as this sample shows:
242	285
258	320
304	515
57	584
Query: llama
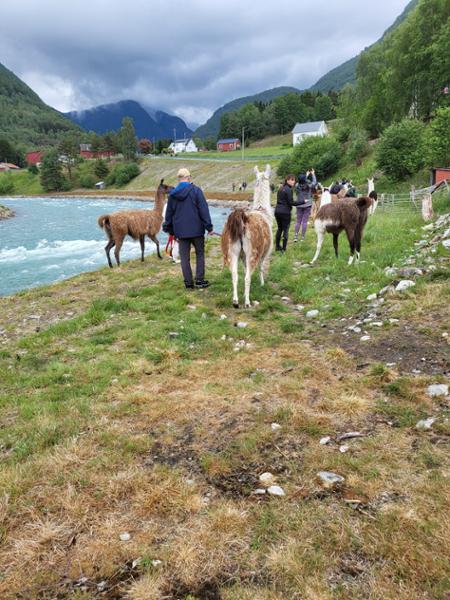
248	234
372	194
135	223
350	215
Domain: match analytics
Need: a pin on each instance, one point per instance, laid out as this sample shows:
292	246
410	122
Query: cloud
187	57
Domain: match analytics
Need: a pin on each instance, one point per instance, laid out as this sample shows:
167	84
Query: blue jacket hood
182	191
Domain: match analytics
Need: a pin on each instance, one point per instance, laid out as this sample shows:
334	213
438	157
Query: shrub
122	174
321	153
52	178
358	145
439	139
6	184
87	181
402	149
33	169
101	168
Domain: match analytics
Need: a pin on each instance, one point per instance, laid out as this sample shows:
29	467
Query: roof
8	165
308	127
183	141
85	147
228	140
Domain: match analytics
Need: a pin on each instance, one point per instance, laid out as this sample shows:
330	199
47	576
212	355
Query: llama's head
165	189
262	175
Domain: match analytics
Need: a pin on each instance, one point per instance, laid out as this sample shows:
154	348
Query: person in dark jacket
283	209
306	183
187	218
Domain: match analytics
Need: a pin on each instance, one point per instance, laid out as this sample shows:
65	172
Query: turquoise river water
51	239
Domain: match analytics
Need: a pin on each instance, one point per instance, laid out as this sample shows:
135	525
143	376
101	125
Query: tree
127	139
10	154
101	168
358	145
69	147
145	146
321	153
402	149
323	109
52	178
439	139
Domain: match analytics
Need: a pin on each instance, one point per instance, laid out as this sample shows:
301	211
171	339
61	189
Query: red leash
170	244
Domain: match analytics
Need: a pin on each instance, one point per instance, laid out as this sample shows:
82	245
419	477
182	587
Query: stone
191	307
312	313
377	324
446	243
372	297
350	435
259	491
125	537
390	271
223	317
285	298
299	307
403	285
275	426
156	562
323	441
394	320
266	479
346	291
425	424
173	334
365	338
275	490
241	324
255	303
437	389
344	448
330	480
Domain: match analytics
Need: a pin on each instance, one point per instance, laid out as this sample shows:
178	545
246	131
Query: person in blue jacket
187	218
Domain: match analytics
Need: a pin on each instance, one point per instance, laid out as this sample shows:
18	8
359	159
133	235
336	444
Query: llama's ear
268	170
256	170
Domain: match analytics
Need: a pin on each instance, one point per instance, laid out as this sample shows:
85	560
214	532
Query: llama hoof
246	305
235	304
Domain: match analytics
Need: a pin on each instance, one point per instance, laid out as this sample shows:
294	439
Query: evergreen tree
101	168
52	178
127	139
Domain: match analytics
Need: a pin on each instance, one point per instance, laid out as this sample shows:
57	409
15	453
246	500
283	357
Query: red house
35	157
440	174
87	152
228	144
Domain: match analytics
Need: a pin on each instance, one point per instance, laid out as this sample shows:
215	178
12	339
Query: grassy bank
129	406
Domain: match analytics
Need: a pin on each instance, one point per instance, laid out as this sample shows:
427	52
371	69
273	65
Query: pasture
136	421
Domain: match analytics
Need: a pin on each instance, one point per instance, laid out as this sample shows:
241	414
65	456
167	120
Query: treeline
407	74
278	116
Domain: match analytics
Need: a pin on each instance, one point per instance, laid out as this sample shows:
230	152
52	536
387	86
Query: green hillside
212	125
24	117
345	73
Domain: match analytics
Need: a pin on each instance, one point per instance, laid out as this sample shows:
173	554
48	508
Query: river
51	239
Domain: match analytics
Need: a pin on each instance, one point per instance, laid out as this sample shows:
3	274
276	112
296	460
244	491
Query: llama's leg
358	245
156	241
119	243
248	280
320	231
335	243
111	243
234	263
142	242
264	267
351	241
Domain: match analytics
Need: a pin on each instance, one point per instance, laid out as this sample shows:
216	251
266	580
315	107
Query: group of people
242	187
298	193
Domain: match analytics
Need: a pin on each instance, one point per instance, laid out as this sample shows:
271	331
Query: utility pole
243	143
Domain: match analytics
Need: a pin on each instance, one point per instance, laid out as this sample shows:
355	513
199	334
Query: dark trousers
283	224
185	257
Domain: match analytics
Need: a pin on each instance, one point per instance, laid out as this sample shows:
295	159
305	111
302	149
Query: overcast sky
187	57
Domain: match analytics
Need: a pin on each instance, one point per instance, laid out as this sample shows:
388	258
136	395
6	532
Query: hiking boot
189	286
201	283
296	238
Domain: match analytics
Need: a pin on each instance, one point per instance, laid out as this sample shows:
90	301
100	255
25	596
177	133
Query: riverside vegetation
136	419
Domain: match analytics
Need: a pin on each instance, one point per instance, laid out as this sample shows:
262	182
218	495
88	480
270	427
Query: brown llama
135	223
348	215
248	235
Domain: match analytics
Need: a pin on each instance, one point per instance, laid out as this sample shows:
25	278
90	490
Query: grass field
135	422
254	152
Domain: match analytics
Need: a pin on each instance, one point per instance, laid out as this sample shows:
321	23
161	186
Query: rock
285	299
394	320
299	307
312	313
255	303
409	272
115	380
350	435
266	479
437	389
173	334
445	334
330	480
372	297
390	271
425	424
223	317
259	491
344	448
125	537
377	324
354	328
365	338
275	490
241	324
403	285
346	291
204	316
446	243
275	426
191	307
323	441
156	562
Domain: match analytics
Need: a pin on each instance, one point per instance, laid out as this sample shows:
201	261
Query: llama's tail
233	231
103	222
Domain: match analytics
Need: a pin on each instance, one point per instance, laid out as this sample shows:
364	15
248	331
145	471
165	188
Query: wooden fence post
427	207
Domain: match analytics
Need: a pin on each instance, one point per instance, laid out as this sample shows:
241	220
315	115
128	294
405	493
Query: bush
87	181
358	145
321	153
122	174
439	139
6	184
33	169
402	149
101	168
52	178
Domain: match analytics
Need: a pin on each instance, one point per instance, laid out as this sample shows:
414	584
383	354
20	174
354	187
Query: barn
34	158
87	152
439	174
228	144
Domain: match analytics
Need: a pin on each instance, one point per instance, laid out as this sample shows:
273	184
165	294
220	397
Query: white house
303	130
185	145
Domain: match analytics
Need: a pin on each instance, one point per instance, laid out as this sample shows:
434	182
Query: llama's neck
261	197
160	200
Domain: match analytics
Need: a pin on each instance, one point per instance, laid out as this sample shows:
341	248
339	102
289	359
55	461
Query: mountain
212	126
338	77
25	118
148	123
